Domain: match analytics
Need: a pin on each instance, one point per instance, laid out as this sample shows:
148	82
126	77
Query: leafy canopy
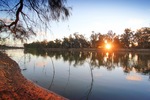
22	16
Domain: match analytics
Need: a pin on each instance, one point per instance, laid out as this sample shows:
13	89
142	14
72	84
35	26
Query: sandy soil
13	85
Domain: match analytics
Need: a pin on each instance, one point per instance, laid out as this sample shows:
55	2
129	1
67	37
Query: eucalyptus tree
81	41
117	43
94	39
84	42
21	18
127	38
110	36
58	43
101	39
66	43
76	43
142	37
51	44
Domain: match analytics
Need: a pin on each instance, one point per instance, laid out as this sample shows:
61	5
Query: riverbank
97	49
13	85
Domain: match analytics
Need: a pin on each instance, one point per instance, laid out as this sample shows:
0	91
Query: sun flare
108	46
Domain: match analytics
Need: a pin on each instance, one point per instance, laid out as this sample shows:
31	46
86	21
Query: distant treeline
9	47
129	39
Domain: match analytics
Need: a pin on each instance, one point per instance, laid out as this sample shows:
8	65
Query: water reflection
53	75
88	75
139	61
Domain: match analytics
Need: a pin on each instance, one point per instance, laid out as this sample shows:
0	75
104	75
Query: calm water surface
88	75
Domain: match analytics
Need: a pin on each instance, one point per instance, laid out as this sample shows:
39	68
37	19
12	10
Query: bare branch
43	10
23	14
17	14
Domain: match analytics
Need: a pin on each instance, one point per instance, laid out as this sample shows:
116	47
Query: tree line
129	39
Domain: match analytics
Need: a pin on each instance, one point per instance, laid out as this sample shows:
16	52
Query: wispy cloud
133	78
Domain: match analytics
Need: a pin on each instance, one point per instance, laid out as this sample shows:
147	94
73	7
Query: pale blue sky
102	16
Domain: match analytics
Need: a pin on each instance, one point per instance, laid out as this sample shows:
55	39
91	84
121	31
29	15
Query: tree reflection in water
90	74
91	85
126	60
67	80
53	74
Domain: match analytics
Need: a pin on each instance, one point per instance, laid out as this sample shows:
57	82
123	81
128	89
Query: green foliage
129	39
37	45
142	37
126	38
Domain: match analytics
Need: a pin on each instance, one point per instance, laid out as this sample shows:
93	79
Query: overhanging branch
17	16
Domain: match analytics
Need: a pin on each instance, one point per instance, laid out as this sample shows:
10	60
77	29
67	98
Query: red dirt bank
13	85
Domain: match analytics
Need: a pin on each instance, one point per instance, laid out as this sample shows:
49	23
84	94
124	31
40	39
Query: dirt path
13	85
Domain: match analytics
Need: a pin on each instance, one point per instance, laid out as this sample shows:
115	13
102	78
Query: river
87	75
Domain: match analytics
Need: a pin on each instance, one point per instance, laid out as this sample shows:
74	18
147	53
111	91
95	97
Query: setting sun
108	46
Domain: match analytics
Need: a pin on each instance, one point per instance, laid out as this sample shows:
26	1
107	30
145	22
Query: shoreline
14	86
95	49
86	49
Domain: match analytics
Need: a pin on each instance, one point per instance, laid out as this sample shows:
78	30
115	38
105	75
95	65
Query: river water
88	75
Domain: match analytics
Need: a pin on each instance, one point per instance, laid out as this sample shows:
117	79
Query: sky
101	16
